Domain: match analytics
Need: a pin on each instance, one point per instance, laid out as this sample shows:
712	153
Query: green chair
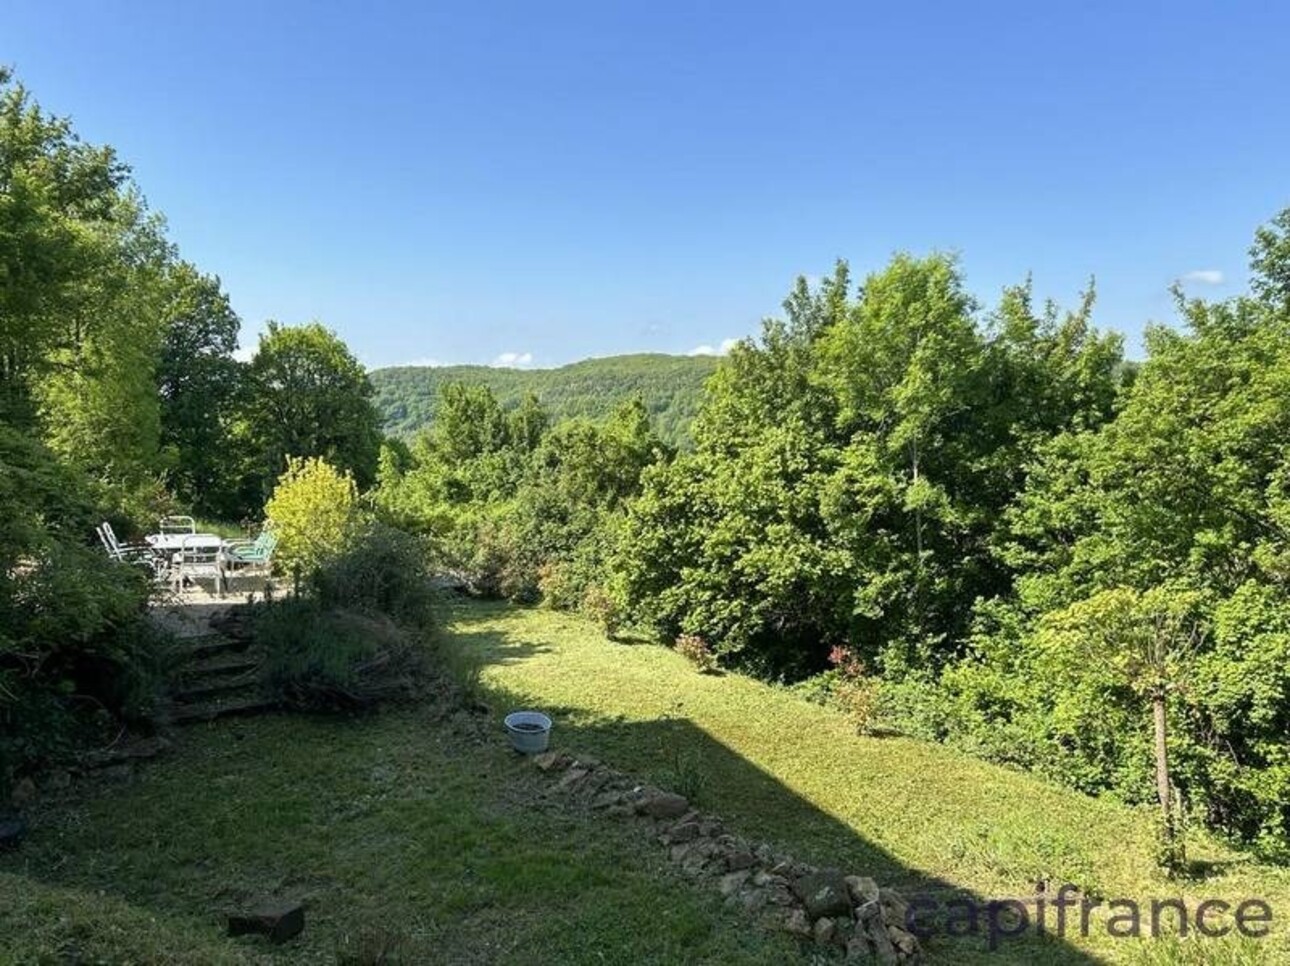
257	553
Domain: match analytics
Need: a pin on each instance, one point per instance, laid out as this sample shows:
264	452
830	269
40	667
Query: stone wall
824	906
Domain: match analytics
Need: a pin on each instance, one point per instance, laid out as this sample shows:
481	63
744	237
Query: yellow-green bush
315	512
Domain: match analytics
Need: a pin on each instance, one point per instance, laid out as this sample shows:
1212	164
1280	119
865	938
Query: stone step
209	646
136	750
226	665
247	683
212	710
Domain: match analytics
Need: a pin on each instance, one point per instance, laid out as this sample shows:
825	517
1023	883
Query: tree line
670	387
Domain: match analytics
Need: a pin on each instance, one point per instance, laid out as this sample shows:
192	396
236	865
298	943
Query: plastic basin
530	731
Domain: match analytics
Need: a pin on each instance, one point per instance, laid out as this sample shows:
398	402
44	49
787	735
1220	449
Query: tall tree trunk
918	513
1162	753
1173	848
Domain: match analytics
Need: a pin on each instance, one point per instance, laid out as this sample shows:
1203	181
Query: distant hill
670	386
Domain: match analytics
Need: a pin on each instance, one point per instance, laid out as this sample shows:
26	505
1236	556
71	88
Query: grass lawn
408	831
399	830
916	815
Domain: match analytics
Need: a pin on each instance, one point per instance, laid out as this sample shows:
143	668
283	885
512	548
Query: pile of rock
822	905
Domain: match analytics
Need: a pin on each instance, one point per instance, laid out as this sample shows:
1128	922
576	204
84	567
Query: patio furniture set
180	555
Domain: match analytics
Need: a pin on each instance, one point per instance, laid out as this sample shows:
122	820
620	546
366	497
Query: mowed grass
913	814
404	833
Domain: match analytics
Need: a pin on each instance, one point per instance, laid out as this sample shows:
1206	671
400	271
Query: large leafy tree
851	468
200	385
307	396
56	192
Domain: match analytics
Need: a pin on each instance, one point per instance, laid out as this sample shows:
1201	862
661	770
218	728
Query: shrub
854	691
329	660
695	650
602	607
314	510
383	571
77	655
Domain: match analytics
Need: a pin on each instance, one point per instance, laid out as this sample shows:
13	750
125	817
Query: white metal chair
198	559
130	553
178	524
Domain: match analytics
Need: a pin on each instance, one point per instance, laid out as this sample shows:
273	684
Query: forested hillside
670	387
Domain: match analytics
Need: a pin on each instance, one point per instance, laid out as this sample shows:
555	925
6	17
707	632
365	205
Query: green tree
307	396
200	384
55	193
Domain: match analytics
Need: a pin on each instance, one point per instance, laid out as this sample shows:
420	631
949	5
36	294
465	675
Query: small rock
780	896
863	889
904	941
606	799
884	949
867	911
732	882
620	811
587	762
693	863
664	805
277	920
741	859
549	760
858	948
797	923
894	904
765	879
683	833
24	793
753	900
711	828
679	852
825	931
595	782
823	894
572	777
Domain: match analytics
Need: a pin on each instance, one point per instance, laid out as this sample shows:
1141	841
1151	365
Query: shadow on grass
678	754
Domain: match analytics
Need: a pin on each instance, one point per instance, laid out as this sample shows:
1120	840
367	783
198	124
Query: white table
172	543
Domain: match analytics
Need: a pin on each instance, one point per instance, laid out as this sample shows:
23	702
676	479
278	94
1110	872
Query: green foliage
382	570
76	655
851	468
200	385
320	659
314	510
409	398
355	636
523	509
307	396
1173	507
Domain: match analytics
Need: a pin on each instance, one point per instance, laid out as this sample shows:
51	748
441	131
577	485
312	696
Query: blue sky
543	182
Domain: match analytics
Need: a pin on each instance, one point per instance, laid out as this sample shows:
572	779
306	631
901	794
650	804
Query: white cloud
244	353
1204	276
512	360
707	350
